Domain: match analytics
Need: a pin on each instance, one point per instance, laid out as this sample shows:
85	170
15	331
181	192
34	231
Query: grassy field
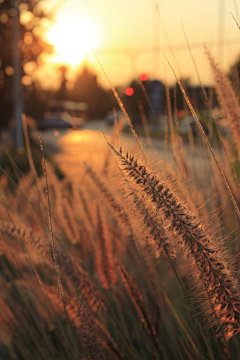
134	257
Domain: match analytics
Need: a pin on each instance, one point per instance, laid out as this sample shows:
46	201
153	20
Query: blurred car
60	121
63	114
112	115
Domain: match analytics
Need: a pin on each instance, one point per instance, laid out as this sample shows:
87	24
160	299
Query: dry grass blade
104	255
137	300
117	129
80	278
145	123
122	108
60	287
68	221
42	287
235	20
108	195
85	206
28	147
158	237
31	240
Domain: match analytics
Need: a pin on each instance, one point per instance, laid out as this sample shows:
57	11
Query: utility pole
17	87
221	31
156	42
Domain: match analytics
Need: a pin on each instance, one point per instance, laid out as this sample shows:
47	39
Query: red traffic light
129	91
144	77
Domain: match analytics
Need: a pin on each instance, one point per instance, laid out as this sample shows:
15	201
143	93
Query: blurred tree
31	15
87	89
234	75
35	100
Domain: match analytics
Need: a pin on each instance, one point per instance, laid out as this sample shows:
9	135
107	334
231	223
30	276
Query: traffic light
143	77
129	91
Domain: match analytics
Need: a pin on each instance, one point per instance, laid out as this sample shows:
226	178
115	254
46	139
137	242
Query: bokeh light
144	77
129	91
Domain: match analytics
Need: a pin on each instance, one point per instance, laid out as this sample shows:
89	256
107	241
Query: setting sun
72	38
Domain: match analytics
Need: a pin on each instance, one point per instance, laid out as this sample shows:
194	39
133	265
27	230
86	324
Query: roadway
70	148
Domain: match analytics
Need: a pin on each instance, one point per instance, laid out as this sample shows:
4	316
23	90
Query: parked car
64	114
60	121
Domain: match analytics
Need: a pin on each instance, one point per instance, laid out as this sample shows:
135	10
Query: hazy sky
127	31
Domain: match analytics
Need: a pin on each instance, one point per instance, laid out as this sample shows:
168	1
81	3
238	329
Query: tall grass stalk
122	108
208	145
59	282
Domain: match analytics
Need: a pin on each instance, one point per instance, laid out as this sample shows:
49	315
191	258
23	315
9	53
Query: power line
150	49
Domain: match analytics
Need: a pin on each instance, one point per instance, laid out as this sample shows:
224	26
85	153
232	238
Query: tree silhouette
87	89
234	75
30	44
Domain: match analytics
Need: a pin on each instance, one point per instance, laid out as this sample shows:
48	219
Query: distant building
156	95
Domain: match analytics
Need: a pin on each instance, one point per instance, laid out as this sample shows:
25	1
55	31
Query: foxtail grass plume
68	221
114	204
138	302
93	335
31	240
82	281
213	273
159	238
92	332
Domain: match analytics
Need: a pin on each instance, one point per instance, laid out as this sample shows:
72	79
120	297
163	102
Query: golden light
72	38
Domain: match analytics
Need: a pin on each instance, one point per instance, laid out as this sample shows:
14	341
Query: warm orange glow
72	38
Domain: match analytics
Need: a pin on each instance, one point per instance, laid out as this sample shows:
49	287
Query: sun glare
72	39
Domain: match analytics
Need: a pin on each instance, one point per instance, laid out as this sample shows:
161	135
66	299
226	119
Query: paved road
71	147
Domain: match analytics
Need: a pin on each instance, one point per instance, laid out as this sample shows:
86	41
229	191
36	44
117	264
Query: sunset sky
124	32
